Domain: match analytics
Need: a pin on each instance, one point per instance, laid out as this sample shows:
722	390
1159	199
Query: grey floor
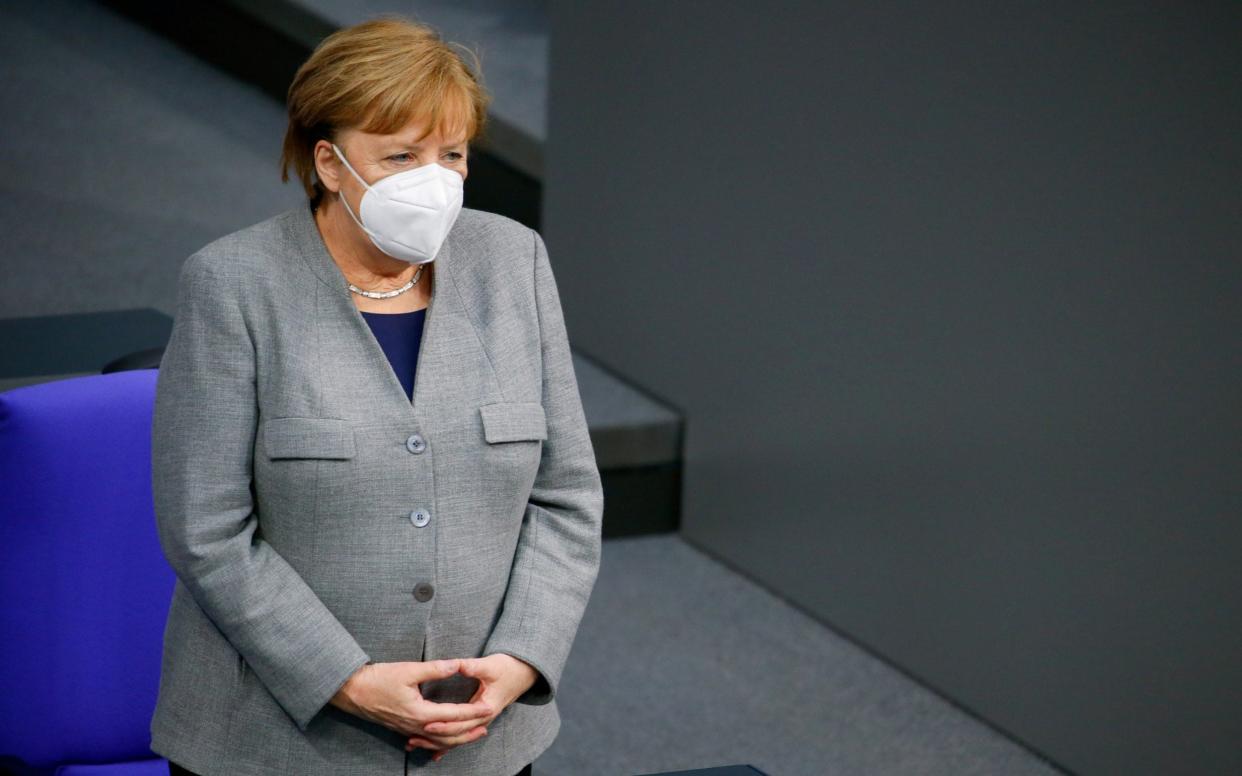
681	663
123	155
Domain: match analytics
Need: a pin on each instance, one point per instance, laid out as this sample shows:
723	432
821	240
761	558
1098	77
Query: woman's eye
454	156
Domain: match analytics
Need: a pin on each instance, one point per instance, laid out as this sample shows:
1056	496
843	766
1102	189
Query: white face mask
408	214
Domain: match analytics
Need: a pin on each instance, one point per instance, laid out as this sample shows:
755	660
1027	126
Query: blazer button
423	591
420	517
415	444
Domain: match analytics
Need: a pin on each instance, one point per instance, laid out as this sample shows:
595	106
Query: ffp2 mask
409	214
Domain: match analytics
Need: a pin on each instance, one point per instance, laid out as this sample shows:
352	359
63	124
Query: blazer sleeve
558	551
203	432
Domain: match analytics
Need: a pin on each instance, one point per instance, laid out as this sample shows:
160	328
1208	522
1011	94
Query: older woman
371	470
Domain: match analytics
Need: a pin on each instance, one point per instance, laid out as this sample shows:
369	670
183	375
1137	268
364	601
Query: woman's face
377	156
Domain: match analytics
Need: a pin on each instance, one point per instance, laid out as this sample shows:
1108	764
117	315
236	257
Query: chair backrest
84	585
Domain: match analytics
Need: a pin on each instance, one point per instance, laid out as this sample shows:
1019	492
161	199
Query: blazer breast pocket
308	462
514	421
514	432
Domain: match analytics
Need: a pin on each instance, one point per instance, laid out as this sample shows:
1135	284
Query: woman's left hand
502	678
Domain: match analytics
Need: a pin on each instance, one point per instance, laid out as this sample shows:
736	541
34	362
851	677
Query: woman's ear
327	166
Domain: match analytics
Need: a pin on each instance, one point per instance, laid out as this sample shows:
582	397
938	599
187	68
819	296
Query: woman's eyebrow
417	147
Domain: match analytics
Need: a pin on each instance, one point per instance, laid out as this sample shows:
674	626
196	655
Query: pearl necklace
382	294
389	294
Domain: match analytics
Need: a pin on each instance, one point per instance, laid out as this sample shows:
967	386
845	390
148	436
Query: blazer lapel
440	326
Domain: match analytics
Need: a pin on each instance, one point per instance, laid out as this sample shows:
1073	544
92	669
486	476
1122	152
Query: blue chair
84	585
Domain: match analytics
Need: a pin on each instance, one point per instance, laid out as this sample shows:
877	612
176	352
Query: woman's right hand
388	694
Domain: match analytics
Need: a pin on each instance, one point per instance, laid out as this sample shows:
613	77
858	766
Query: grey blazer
317	518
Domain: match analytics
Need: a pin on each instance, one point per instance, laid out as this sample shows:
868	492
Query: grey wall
950	293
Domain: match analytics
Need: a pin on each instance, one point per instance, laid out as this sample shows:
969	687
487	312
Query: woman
371	469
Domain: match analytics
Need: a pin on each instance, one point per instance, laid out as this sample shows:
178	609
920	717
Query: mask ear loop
345	201
350	166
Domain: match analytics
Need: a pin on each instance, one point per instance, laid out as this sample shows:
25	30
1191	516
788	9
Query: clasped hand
388	694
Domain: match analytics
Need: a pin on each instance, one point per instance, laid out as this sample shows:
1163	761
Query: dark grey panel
949	295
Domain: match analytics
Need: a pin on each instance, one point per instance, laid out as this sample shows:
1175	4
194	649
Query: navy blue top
399	334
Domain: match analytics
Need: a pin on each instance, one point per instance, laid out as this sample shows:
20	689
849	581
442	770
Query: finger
455	728
473	734
450	741
433	669
452	712
452	727
424	743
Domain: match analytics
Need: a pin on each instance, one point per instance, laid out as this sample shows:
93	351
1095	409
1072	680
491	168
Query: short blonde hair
378	76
